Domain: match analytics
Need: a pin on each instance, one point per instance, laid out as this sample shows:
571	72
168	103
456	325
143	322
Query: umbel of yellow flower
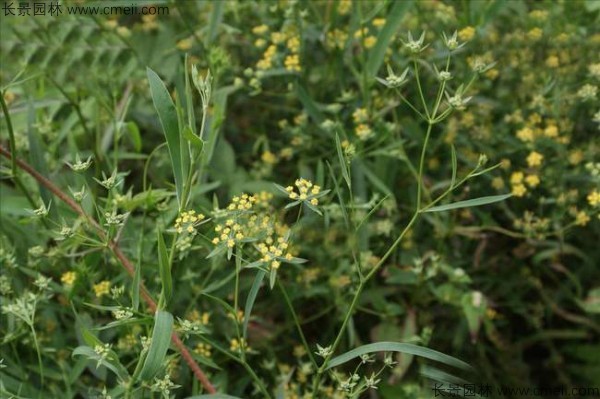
534	159
304	192
593	198
102	288
187	222
68	278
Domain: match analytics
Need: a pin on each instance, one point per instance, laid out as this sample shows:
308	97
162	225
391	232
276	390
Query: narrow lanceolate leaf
135	287
164	268
454	166
251	298
161	338
469	203
392	24
342	161
168	118
398	347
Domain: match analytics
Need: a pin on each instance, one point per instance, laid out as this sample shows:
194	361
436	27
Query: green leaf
216	16
469	203
192	138
161	338
398	347
342	160
214	396
168	118
135	286
164	268
392	24
309	105
251	298
134	135
454	165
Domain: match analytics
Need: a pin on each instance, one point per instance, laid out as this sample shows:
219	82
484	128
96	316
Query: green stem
420	88
297	322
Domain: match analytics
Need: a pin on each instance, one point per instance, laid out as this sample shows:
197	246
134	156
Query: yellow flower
370	41
269	158
575	157
582	218
260	29
525	134
379	22
519	190
360	115
535	34
534	159
532	180
185	44
466	34
516	177
292	63
238	345
552	61
498	183
593	198
68	278
344	7
203	350
363	131
102	288
293	44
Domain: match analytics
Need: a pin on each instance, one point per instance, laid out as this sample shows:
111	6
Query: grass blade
251	298
454	166
398	347
164	268
342	160
161	338
469	203
392	24
168	118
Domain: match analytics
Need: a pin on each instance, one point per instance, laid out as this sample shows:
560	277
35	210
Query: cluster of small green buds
164	386
114	219
78	195
458	101
480	66
187	222
452	41
204	85
392	80
442	75
102	351
80	166
42	211
122	314
415	46
65	232
42	282
109	182
323	352
371	382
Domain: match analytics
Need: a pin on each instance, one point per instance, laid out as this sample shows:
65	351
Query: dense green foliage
318	198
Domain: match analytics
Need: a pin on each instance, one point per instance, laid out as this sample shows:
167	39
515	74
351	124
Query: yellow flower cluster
187	222
68	278
273	252
236	345
203	350
267	60
292	63
229	233
518	180
534	159
336	38
593	198
242	203
466	34
102	288
303	193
